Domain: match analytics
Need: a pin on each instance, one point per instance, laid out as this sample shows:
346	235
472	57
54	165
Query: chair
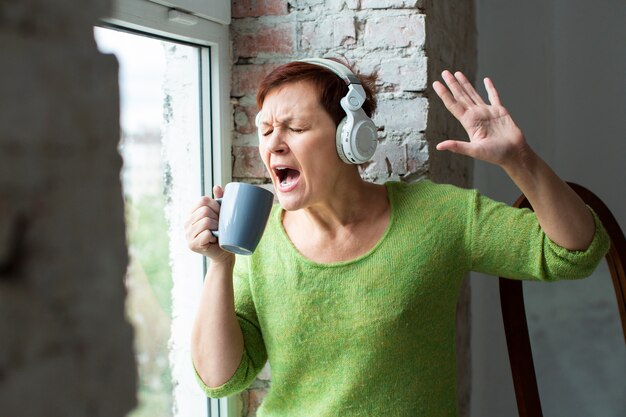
514	314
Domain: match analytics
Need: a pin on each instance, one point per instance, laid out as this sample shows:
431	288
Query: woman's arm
562	214
216	340
494	137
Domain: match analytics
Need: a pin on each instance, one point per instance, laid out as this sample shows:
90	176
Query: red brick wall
386	36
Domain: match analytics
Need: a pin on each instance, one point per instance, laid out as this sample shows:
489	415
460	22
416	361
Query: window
174	117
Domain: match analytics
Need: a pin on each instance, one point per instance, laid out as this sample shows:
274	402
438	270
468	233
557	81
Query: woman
352	291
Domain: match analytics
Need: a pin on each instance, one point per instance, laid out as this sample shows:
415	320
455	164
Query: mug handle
216	233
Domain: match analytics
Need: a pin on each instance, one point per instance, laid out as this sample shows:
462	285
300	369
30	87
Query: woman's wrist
225	262
523	163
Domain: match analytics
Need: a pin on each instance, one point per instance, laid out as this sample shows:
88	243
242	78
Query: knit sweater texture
375	335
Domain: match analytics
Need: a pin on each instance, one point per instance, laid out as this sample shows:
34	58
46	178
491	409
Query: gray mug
243	217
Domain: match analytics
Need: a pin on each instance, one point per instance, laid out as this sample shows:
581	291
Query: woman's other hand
493	135
203	219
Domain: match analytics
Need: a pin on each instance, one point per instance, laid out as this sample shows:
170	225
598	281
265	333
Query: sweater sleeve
509	242
254	353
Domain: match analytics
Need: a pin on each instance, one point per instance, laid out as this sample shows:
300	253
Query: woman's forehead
291	101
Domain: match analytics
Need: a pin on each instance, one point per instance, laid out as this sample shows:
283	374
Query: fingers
456	146
199	236
204	218
205	223
203	201
468	87
444	94
494	98
461	88
202	241
461	94
456	108
457	89
218	191
208	208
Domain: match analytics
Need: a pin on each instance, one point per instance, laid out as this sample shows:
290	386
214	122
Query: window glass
160	105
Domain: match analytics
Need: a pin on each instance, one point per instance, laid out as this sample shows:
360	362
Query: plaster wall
66	347
561	72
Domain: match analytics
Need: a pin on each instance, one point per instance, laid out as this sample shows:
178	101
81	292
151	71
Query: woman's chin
288	203
289	196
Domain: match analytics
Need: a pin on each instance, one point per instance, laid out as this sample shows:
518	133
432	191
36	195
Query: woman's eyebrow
286	120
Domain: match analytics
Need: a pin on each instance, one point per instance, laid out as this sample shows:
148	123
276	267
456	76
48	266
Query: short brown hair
330	86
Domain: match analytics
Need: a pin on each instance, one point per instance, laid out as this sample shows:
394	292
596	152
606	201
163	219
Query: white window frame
150	17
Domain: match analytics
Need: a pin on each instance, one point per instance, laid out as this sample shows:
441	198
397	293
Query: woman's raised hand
204	217
493	135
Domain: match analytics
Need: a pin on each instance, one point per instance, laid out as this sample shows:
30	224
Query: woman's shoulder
427	191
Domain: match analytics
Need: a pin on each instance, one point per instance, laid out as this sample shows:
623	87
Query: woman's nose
276	144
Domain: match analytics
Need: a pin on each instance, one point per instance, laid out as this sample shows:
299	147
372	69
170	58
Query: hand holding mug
203	219
236	220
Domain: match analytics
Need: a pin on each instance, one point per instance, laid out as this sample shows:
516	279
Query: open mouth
287	177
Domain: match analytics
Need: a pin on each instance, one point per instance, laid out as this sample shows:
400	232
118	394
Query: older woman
351	294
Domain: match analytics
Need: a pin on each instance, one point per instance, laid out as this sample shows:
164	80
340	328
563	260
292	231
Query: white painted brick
333	6
408	74
417	153
390	4
317	35
402	113
353	4
305	4
394	31
344	32
247	139
241	118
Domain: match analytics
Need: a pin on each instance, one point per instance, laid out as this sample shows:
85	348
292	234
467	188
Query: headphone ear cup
356	138
363	141
342	140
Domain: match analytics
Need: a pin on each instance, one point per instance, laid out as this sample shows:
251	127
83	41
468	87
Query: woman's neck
355	202
343	228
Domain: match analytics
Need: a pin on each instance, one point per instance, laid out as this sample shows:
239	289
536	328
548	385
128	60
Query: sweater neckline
296	253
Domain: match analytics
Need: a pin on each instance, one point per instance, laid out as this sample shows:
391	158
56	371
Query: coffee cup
245	209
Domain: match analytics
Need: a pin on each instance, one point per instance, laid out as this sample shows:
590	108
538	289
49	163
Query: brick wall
385	36
65	347
408	42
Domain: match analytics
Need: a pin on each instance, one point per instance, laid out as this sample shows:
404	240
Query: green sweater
374	336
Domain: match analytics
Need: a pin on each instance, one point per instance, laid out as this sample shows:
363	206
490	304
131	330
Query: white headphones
356	137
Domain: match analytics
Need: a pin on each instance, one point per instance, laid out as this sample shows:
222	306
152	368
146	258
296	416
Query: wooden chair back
514	313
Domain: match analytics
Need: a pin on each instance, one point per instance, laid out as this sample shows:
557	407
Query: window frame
149	18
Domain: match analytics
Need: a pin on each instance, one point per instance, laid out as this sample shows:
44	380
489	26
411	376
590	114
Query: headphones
356	137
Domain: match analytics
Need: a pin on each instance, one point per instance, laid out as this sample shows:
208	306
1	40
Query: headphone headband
341	70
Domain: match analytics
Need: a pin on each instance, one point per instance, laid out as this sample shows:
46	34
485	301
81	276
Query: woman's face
297	145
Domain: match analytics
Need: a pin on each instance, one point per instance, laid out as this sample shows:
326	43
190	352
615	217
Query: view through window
160	104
